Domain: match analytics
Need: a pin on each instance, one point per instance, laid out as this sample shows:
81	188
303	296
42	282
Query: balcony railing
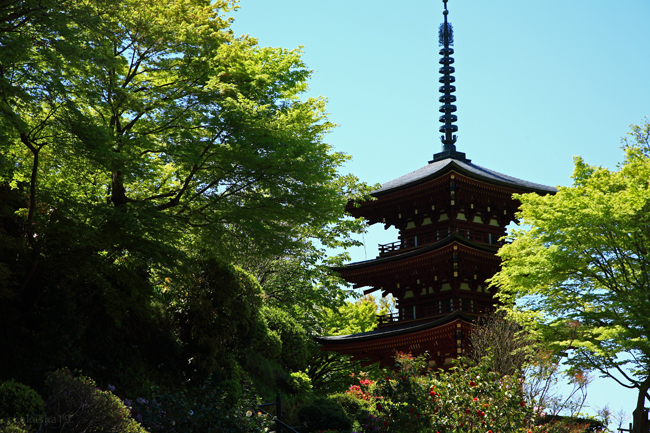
429	238
433	312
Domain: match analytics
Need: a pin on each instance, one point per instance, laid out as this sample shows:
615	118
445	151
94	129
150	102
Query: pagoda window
407	313
410	242
446	306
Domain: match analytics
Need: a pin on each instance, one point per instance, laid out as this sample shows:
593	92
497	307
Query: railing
433	311
429	238
621	429
279	424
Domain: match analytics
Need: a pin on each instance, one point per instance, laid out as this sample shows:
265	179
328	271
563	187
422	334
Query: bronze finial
446	39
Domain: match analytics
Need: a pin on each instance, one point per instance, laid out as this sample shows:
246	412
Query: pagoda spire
448	118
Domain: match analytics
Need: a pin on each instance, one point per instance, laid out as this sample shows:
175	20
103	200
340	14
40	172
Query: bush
567	424
355	409
13	426
300	383
323	414
466	397
20	408
75	404
202	408
19	401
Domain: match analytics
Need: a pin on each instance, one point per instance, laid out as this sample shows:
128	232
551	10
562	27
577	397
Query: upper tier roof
436	168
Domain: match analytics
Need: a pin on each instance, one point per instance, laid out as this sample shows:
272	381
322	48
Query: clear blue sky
538	82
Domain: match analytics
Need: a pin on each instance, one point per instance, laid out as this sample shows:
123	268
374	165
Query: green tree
582	270
331	372
352	317
139	141
171	124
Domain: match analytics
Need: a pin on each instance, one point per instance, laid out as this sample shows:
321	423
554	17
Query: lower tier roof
383	333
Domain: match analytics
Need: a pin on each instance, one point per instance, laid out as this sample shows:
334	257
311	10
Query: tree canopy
166	191
161	110
582	269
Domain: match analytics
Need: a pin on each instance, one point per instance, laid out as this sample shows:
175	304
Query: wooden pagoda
450	215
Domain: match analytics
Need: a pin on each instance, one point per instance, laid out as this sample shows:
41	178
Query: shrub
200	409
14	426
300	383
466	397
19	401
567	424
21	408
355	408
323	414
75	404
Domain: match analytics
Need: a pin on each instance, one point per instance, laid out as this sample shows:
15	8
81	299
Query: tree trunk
35	149
118	193
640	415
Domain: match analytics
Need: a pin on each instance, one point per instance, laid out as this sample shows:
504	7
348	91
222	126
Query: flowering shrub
467	398
357	392
201	409
371	424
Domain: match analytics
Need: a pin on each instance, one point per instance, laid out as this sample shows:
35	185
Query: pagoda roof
382	333
453	237
437	168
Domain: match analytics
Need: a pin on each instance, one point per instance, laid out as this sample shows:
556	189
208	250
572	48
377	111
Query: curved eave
378	334
438	168
453	238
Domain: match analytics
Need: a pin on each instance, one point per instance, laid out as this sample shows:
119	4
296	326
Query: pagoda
451	215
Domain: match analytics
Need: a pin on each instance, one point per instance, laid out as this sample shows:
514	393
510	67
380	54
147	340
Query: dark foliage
76	405
19	401
322	414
